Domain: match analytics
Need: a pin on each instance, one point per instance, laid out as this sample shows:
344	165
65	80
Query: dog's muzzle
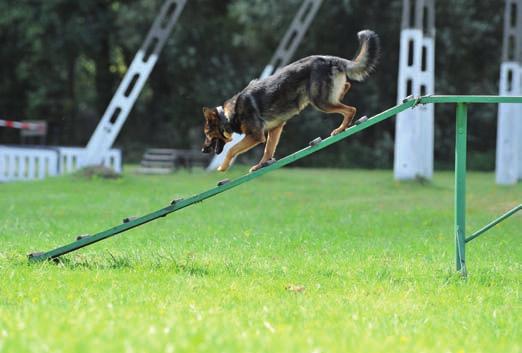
216	146
219	146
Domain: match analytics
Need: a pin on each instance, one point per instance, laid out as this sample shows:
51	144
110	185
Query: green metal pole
460	187
494	223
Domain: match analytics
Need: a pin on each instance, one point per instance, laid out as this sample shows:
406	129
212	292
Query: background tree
61	60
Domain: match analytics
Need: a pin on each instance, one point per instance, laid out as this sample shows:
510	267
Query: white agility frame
130	87
414	128
508	167
28	163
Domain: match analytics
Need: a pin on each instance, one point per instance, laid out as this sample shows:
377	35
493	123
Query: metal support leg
460	187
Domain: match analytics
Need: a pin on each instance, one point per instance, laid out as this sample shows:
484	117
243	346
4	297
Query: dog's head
215	135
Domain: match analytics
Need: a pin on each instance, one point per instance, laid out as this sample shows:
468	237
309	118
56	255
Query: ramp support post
460	187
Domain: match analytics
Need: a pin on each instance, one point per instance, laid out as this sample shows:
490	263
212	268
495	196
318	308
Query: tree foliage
61	60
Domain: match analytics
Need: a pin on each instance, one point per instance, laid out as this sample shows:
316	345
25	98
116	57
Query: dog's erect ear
209	113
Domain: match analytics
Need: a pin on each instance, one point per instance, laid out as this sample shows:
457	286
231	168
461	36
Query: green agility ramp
316	145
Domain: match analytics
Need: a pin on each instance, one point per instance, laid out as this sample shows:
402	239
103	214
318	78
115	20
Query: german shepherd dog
266	105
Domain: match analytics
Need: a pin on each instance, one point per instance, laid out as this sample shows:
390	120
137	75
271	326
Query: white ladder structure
414	129
132	83
508	167
281	57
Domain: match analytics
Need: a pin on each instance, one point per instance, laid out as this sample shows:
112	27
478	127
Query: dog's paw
222	168
254	168
262	165
336	131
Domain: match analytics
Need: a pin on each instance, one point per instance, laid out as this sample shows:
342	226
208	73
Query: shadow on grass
425	183
191	264
161	262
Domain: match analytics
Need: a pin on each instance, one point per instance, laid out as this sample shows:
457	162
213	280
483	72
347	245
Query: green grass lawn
296	261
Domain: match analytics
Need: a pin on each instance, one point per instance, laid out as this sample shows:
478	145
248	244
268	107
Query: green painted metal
219	189
460	186
494	223
410	102
469	99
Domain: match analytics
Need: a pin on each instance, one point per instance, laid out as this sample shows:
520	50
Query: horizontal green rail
90	239
468	99
494	223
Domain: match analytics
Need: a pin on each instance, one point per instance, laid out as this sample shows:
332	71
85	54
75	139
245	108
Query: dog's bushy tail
367	57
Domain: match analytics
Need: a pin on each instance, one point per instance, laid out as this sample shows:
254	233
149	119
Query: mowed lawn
299	260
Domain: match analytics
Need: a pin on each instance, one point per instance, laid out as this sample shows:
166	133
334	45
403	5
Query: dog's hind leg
326	91
242	146
270	147
347	87
346	111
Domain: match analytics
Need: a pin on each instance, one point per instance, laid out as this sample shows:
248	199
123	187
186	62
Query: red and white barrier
18	124
32	128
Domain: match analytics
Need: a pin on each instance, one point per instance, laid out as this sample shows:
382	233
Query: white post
415	127
3	165
508	168
123	100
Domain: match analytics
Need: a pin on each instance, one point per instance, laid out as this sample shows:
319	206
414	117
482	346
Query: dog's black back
316	80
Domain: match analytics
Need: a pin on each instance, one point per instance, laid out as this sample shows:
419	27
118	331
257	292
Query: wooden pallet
165	160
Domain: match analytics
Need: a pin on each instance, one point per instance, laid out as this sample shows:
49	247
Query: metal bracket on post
132	83
284	52
414	128
508	169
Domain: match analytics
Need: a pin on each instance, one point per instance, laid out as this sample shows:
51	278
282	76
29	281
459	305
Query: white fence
71	159
27	163
30	163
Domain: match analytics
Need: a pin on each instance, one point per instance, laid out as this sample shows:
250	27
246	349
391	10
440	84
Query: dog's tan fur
265	105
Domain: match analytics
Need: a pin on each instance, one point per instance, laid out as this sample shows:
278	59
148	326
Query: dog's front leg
242	146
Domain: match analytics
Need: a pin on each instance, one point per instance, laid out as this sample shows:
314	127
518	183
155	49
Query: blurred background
62	60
